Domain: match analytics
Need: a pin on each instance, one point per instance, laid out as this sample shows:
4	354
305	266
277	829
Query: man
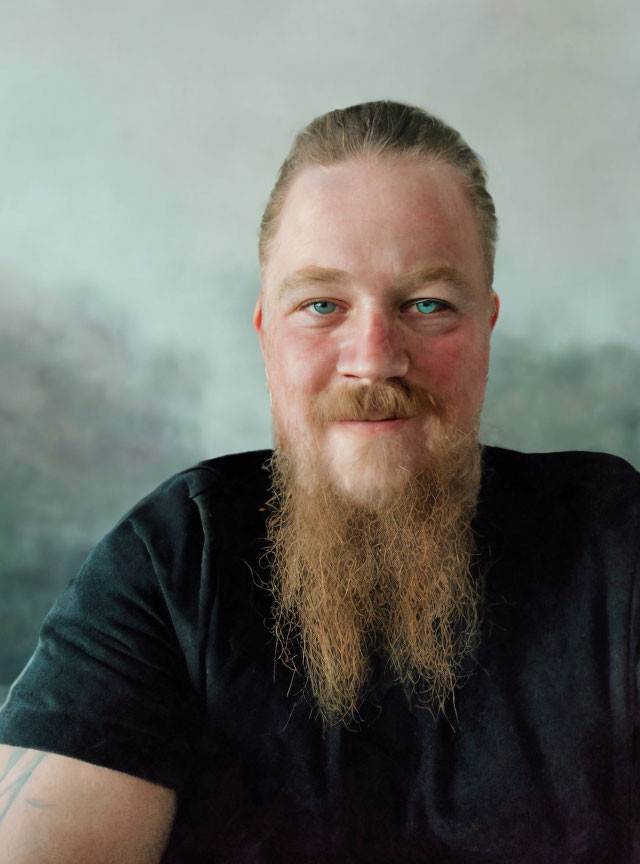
381	642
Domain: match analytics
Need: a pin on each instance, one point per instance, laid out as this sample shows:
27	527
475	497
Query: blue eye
324	307
428	306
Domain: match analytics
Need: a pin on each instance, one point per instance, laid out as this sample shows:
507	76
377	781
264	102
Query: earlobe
259	320
496	309
257	314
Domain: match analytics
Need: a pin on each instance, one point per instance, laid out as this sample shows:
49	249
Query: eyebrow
321	276
414	279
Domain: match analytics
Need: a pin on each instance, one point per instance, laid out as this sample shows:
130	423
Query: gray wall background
138	144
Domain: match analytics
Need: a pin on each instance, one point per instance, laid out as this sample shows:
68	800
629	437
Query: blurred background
138	145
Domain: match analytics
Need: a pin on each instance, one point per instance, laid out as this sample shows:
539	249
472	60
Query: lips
375	418
375	421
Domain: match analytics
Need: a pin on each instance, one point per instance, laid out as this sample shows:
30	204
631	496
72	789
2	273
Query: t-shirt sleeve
107	682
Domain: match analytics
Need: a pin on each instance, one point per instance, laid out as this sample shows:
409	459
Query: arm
57	810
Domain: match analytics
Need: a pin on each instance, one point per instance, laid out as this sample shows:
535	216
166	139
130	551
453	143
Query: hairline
373	156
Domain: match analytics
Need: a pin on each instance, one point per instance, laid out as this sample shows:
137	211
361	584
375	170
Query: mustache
376	401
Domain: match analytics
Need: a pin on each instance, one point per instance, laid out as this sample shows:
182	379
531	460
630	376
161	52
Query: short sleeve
107	682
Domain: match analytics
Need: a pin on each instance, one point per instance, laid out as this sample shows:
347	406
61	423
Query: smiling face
375	306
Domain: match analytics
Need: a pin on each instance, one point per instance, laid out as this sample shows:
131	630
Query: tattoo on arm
12	789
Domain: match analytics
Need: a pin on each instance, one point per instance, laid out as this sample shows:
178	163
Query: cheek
455	366
299	364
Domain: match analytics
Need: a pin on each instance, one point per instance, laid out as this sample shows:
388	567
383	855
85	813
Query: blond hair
375	129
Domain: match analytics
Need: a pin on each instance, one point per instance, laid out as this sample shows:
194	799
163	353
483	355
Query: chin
371	473
372	489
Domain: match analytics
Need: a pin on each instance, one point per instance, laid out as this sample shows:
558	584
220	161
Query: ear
496	309
258	319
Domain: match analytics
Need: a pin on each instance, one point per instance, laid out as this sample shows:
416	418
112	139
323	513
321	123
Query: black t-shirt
157	660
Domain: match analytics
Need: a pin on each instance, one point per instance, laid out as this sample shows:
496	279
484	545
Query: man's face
375	279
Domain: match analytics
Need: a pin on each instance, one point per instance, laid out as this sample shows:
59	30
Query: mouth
374	424
376	418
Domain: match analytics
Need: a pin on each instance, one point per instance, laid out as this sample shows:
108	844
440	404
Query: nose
372	347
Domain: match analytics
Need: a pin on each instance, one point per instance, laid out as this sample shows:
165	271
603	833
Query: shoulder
564	468
234	471
214	500
224	479
588	487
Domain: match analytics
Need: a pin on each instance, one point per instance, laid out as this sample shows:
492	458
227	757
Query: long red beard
347	577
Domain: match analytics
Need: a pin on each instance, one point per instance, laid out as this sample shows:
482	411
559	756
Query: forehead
376	217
